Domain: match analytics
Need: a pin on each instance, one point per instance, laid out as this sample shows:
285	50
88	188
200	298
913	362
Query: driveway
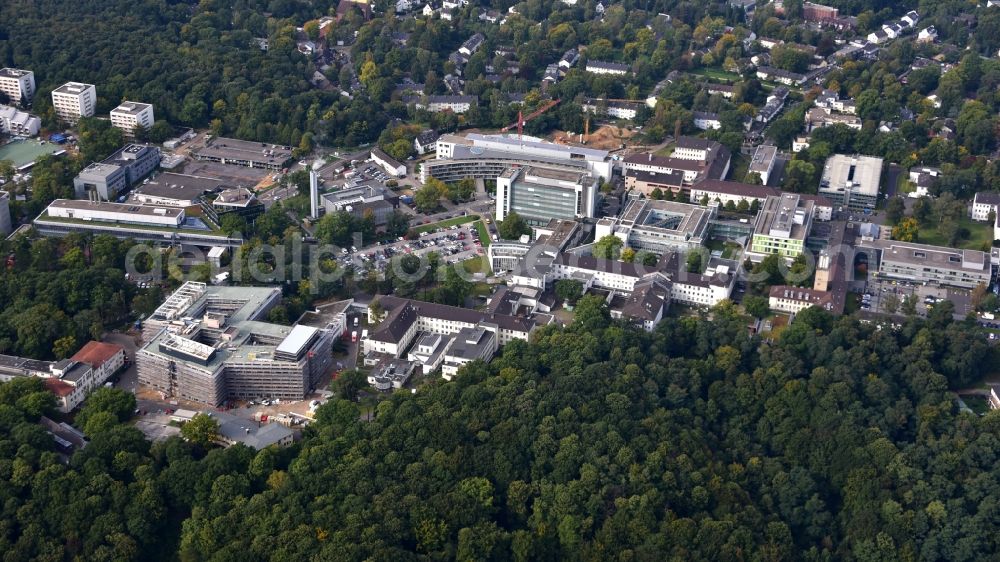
892	179
128	379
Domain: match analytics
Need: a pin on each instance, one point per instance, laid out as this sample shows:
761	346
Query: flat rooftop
132	107
469	152
552	174
296	341
665	215
141	210
784	213
229	174
560	231
99	169
925	255
73	88
528	144
13	73
763	158
235	149
242	301
861	173
324	314
178	186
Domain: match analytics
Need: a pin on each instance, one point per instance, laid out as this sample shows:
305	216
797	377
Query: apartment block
130	115
762	163
984	203
19	85
15	122
602	67
74	100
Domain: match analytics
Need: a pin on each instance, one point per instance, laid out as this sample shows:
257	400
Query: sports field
24	152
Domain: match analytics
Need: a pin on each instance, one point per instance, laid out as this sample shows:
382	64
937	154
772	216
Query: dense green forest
839	440
194	62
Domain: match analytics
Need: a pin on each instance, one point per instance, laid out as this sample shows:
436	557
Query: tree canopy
837	440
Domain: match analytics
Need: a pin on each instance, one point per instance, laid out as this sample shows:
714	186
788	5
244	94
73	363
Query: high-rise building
74	100
19	85
540	194
131	114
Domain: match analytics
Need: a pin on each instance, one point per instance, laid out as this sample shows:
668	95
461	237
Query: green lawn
738	167
716	245
852	303
484	234
980	235
978	404
447	223
478	264
665	151
717	74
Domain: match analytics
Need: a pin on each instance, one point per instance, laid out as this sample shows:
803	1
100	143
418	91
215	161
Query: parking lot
453	244
157	427
926	296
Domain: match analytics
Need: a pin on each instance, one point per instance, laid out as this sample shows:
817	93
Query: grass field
478	264
980	235
484	234
447	223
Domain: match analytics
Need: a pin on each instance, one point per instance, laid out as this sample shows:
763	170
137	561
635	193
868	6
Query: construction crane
521	120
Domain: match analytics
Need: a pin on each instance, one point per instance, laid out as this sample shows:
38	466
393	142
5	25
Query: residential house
705	120
602	67
426	142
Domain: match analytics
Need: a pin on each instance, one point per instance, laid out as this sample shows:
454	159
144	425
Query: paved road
129	378
892	179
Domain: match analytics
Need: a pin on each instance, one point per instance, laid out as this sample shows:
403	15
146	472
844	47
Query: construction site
207	344
606	137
